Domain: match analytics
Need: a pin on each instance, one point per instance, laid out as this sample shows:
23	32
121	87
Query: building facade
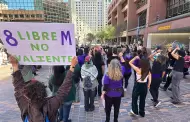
151	21
21	16
89	16
54	11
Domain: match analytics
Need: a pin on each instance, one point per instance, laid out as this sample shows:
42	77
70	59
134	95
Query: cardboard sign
39	43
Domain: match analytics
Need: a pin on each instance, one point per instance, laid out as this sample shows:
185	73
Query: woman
127	68
99	63
158	72
177	74
113	89
55	82
140	86
170	64
32	97
89	75
113	56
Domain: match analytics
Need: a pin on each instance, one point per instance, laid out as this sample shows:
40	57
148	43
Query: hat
87	59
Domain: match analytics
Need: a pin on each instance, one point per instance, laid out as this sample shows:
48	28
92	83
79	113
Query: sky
22	4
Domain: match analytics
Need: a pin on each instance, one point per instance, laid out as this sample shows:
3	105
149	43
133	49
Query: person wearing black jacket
168	75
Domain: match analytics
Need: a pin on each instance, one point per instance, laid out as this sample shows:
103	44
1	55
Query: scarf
89	70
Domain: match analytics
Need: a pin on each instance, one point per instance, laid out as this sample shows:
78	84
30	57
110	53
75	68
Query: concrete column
132	17
149	39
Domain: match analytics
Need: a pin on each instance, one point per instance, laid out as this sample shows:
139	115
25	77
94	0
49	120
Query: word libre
34	35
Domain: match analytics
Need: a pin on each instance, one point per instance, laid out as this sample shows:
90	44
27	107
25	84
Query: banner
39	43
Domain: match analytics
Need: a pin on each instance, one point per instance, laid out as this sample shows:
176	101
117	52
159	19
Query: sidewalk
167	112
5	71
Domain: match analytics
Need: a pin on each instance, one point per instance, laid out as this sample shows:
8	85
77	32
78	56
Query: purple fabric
123	70
113	84
156	75
81	59
137	63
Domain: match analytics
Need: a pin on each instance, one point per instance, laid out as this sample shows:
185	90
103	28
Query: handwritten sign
39	43
164	27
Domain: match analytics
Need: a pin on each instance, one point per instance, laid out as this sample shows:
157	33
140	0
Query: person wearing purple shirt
127	69
113	90
158	72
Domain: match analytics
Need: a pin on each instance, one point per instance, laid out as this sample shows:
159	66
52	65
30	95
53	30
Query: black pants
185	72
109	101
139	90
127	76
99	86
154	88
89	99
168	80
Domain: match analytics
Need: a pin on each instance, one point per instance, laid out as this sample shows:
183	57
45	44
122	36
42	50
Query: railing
141	3
178	9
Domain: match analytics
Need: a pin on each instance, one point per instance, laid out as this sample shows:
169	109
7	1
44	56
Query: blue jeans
64	111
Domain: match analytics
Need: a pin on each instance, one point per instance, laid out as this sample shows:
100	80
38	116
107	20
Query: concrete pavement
167	112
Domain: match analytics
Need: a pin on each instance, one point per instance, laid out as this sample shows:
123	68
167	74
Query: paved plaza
167	112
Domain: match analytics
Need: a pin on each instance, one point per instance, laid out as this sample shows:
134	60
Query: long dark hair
145	68
109	53
36	92
97	59
58	76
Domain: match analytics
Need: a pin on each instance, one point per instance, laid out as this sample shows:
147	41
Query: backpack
26	119
87	82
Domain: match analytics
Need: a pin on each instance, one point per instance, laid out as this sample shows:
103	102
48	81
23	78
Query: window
33	16
16	15
21	15
177	7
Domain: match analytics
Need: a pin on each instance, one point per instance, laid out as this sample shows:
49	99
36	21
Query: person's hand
148	86
137	57
159	51
120	54
177	48
74	61
13	61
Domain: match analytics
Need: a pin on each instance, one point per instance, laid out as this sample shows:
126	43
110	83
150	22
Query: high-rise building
34	10
88	16
106	4
3	5
54	10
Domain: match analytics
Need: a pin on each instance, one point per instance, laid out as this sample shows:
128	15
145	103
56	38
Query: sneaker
132	113
157	104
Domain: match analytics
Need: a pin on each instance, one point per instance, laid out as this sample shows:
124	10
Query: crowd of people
88	68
